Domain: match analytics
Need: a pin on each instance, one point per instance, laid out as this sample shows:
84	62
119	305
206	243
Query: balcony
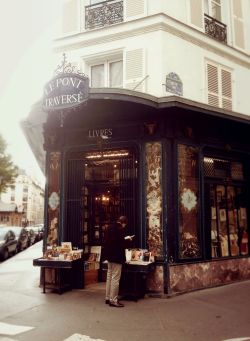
103	14
215	29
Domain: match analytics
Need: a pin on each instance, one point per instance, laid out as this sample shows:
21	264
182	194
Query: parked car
40	228
22	236
31	234
8	243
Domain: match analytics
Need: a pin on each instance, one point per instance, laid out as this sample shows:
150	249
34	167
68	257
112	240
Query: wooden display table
68	274
134	278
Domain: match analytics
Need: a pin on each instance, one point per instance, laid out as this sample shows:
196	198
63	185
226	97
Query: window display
228	217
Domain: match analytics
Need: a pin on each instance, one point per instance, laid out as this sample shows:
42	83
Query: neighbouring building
163	136
27	195
10	214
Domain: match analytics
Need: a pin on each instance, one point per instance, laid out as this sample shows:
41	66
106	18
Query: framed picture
219	196
223	216
243	213
67	246
213	213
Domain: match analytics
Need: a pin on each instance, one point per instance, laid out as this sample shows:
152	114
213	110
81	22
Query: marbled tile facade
187	277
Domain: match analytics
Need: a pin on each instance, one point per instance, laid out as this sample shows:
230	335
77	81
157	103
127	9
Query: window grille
225	169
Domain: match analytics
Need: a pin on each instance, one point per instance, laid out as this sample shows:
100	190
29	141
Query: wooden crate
90	277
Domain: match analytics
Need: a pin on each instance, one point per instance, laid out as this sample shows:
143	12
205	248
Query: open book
129	237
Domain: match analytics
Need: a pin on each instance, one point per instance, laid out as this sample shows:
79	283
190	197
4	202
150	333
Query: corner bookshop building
178	169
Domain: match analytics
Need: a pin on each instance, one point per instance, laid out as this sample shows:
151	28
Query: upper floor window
214	26
107	74
213	8
25	189
219	86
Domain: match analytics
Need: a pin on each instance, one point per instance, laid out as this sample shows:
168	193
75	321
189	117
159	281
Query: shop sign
66	90
103	133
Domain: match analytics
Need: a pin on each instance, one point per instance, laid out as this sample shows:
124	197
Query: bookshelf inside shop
101	205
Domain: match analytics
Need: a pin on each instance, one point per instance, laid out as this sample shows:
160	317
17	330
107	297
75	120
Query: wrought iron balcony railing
215	28
104	14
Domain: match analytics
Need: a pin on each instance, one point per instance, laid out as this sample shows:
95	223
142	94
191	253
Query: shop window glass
228	217
188	181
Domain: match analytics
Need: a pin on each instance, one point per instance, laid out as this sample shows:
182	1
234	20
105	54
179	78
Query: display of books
139	256
62	253
93	261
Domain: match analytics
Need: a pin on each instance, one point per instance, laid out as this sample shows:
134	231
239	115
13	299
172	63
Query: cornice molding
154	23
164	102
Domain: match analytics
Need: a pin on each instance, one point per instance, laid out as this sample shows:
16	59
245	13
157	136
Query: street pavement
26	314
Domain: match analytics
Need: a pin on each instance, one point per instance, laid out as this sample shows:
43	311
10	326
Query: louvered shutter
70	16
196	13
238	24
213	85
226	89
134	8
134	69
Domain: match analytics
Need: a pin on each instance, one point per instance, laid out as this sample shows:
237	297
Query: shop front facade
176	169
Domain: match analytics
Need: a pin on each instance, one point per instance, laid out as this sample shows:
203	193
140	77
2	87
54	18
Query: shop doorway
101	186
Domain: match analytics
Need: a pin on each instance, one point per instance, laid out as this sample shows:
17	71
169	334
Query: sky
27	29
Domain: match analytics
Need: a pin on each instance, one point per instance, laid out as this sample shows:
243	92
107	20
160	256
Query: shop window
108	74
188	181
221	168
228	207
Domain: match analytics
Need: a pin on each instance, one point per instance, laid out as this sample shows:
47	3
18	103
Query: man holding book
114	248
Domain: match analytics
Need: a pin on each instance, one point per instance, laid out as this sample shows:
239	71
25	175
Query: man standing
115	245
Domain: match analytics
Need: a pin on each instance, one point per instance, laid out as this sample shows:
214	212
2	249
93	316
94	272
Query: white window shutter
238	24
197	13
70	16
135	69
226	89
134	8
213	85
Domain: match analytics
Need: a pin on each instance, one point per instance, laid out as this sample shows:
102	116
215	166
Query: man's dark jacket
115	244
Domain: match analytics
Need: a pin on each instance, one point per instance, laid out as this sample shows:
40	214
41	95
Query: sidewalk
215	314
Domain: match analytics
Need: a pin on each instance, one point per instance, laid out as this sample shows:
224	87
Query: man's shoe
116	304
107	301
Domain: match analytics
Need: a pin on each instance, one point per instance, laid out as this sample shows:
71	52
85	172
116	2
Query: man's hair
123	219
